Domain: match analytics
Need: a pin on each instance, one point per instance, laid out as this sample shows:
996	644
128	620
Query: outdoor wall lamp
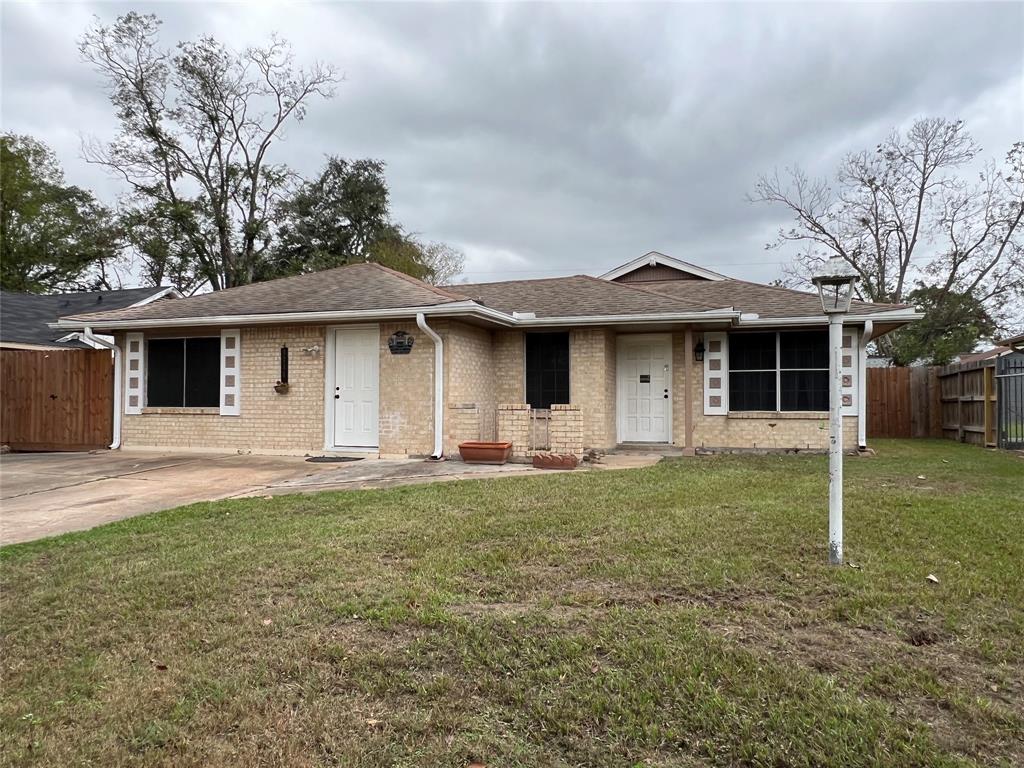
698	352
282	383
400	343
835	289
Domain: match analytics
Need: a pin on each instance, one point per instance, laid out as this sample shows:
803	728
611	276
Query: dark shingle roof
373	287
24	316
577	295
352	287
768	301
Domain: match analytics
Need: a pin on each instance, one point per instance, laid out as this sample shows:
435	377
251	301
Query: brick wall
775	431
469	385
564	429
269	422
407	393
592	365
509	367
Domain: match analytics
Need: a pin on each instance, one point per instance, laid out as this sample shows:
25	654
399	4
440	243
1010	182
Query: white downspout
862	384
88	337
421	321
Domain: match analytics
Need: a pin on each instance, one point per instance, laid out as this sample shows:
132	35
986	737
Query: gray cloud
547	139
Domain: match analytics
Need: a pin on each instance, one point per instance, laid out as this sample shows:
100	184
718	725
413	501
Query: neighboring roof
24	317
580	295
1014	341
766	301
352	287
654	259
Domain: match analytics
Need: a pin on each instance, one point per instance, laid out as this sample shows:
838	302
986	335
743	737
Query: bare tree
196	130
903	216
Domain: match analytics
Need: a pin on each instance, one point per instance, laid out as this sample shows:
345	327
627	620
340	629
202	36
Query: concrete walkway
45	494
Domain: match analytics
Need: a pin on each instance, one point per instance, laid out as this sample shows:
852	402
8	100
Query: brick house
362	358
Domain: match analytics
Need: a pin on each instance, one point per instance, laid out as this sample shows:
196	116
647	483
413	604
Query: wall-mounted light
400	343
282	383
698	352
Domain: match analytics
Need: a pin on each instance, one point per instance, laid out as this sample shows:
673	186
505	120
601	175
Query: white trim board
654	259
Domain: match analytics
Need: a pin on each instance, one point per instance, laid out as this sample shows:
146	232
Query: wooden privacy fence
56	400
979	402
903	402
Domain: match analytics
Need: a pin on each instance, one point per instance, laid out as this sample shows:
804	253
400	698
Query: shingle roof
575	296
24	316
352	287
373	287
768	301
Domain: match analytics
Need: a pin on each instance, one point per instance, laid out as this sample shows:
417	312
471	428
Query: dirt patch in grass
969	707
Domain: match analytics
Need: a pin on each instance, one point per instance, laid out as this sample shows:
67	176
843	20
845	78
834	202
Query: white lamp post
835	288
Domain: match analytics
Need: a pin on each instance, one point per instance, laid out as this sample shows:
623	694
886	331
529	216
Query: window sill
778	414
182	411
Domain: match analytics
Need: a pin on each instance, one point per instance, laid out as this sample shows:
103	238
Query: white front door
645	388
356	394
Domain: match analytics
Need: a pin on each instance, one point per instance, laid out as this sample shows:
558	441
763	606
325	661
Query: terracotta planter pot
485	453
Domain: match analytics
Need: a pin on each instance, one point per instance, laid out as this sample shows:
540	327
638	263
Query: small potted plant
483	452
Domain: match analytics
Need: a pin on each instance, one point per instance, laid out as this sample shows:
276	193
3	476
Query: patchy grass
680	615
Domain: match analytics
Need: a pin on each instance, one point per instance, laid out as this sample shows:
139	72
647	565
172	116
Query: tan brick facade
268	422
407	393
469	385
592	355
509	367
559	431
484	369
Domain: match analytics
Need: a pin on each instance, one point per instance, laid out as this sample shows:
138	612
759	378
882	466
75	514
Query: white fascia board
653	257
894	316
720	316
460	309
278	318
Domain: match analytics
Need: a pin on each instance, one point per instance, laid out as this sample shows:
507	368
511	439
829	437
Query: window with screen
784	371
183	373
752	372
547	369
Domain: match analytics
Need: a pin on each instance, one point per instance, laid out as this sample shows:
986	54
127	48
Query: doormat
332	459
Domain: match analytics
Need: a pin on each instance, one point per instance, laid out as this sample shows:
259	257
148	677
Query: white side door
645	388
356	397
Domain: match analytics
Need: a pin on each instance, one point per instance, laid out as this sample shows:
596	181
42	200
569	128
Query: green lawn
680	615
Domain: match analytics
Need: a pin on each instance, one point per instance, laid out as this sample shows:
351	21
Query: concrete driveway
45	494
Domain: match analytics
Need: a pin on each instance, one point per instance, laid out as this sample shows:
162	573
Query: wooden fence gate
56	400
903	402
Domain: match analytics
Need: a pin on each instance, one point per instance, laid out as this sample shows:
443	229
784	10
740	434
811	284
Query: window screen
183	373
784	371
547	369
803	377
752	372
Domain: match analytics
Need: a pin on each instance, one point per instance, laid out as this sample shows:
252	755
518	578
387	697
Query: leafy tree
953	323
52	236
904	213
196	131
343	217
335	219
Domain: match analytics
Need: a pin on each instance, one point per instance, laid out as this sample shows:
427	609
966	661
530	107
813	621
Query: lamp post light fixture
835	289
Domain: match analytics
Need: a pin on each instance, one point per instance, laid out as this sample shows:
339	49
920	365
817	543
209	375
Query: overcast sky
547	139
